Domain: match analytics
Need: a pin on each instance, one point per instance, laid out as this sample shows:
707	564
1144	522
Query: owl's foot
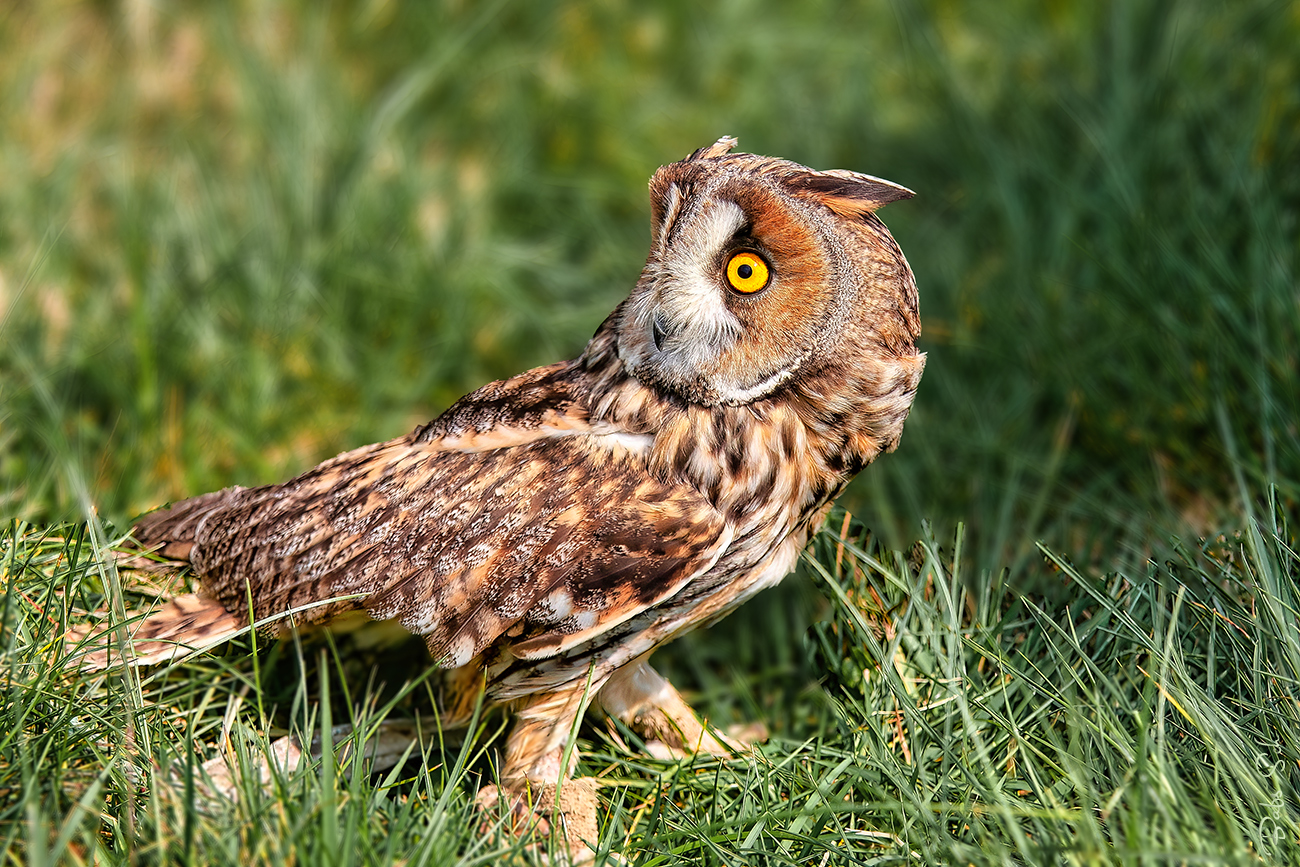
735	740
565	812
538	796
649	705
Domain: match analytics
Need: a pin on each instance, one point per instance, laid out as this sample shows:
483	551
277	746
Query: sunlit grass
1153	718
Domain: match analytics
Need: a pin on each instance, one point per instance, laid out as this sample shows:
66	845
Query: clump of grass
1154	713
99	767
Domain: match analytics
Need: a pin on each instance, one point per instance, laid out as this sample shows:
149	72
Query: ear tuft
848	194
719	148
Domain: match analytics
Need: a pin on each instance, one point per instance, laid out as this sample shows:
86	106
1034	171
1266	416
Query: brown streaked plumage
549	531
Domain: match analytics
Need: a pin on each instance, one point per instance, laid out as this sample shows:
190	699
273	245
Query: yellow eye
747	272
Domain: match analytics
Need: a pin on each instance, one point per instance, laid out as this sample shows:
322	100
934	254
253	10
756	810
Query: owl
548	532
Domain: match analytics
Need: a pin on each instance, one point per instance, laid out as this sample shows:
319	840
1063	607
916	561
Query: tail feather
183	625
171	532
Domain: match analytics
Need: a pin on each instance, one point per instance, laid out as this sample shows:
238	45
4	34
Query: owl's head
759	270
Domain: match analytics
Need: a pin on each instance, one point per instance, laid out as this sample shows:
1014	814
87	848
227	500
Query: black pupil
745	272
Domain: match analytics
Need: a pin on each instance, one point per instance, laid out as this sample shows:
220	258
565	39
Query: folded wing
544	543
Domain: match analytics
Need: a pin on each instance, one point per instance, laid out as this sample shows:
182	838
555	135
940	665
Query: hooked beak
658	333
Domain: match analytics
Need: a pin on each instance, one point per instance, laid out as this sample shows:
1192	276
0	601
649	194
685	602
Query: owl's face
757	265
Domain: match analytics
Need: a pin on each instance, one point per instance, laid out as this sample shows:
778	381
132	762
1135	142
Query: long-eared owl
547	532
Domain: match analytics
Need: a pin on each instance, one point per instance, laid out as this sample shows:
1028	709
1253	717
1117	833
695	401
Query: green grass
236	239
1153	719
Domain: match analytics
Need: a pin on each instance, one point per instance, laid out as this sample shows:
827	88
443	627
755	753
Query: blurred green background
238	238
